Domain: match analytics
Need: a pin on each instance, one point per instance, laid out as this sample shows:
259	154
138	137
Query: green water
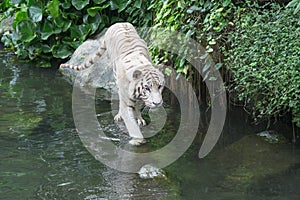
42	156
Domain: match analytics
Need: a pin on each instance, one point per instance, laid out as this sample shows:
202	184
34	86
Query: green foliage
264	60
205	21
46	29
294	4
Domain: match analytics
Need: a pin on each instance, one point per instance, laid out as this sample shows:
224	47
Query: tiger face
148	87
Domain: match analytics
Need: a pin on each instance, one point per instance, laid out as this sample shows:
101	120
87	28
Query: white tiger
136	78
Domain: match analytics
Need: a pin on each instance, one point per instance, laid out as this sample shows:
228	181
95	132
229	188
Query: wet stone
151	172
272	137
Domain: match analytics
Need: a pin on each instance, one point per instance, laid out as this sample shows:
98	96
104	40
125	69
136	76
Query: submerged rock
150	172
272	136
99	74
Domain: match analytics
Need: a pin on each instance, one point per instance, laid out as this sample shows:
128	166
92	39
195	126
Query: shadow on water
42	156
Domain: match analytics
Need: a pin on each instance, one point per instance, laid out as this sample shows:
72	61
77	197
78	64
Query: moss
22	120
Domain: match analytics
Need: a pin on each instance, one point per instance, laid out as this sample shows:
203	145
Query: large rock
99	74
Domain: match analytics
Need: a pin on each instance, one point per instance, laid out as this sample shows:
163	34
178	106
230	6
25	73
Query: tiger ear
134	75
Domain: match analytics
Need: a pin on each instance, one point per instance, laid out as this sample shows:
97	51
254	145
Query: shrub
46	29
206	21
264	61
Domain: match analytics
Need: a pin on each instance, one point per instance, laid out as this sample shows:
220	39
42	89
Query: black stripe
132	100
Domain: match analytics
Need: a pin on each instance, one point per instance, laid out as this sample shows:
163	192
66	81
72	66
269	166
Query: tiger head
147	85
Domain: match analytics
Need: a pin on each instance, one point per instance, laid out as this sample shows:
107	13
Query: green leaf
293	3
66	26
62	23
94	23
80	4
48	29
99	1
93	11
182	62
138	3
209	49
35	13
59	21
119	5
212	42
66	5
53	8
73	44
123	6
297	9
219	9
26	31
148	16
20	16
30	3
80	32
62	52
45	48
168	71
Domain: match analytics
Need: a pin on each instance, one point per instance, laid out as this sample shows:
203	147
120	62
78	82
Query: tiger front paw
117	117
141	122
137	141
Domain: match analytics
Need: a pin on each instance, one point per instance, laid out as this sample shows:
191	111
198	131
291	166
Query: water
42	156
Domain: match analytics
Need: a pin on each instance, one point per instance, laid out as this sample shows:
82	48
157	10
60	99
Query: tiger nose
157	104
